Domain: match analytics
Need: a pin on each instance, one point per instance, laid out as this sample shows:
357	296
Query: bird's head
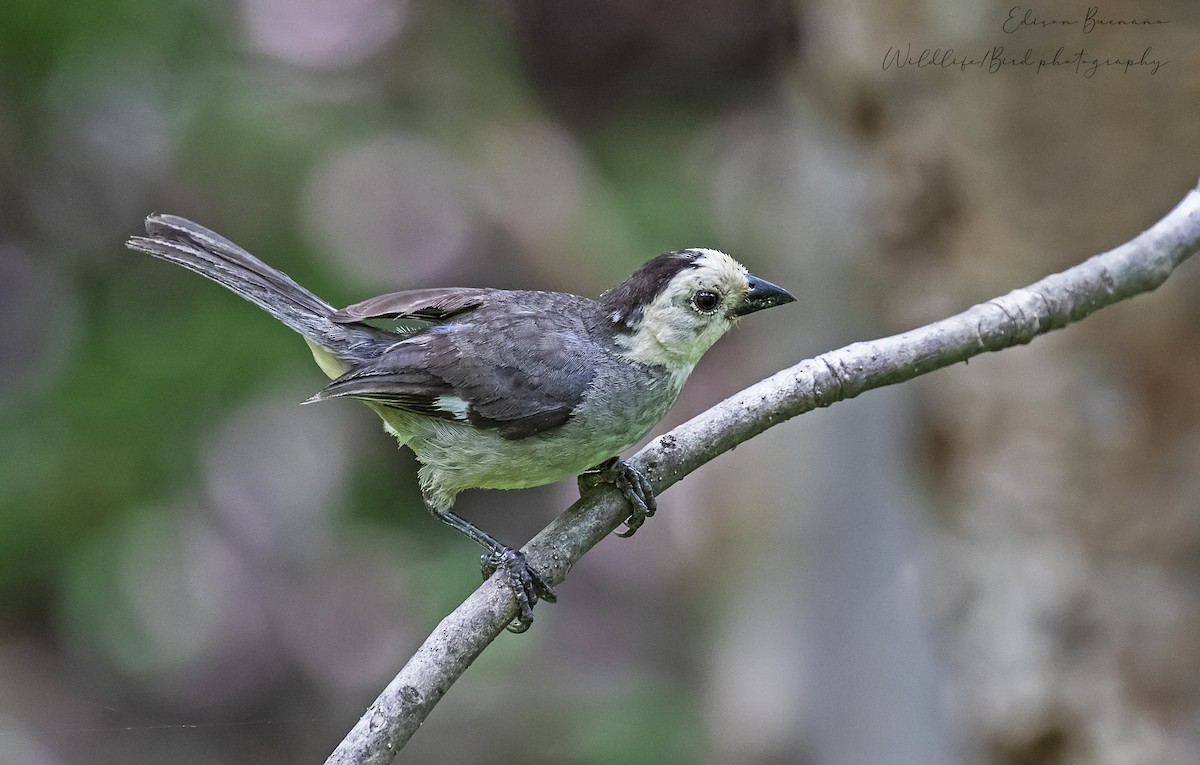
673	308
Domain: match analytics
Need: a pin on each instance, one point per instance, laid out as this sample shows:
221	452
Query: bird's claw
632	484
527	584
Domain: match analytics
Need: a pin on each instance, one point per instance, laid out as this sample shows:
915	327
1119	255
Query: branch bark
1054	302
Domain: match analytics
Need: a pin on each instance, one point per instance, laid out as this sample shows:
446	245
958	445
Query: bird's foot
527	584
632	484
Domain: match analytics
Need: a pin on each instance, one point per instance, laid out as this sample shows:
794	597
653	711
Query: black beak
762	295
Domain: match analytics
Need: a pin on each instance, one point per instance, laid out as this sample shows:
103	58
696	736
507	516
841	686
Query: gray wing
517	362
434	305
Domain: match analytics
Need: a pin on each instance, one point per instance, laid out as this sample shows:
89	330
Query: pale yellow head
700	296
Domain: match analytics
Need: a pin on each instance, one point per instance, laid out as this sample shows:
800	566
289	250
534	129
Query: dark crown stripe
624	303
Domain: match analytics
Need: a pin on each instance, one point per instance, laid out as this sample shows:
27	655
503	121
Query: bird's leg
633	485
527	584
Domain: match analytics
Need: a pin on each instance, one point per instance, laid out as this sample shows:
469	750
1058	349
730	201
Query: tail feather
180	241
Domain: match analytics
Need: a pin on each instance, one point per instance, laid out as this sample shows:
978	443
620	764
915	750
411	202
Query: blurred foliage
112	430
121	371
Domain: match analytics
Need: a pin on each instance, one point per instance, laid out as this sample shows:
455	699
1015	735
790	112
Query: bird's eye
706	301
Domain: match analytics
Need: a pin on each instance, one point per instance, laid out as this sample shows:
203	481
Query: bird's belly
455	456
503	464
472	459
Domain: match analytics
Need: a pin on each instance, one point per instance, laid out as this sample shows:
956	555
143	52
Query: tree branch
1013	319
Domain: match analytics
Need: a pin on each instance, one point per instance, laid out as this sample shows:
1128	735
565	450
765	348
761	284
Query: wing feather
517	362
433	305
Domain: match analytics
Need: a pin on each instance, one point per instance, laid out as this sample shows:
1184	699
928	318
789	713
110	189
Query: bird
501	389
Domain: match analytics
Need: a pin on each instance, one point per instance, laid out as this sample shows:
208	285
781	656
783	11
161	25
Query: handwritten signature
1019	17
995	59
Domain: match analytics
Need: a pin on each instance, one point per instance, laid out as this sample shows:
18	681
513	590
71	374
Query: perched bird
501	389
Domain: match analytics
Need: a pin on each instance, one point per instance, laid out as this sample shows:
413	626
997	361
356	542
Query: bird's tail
179	240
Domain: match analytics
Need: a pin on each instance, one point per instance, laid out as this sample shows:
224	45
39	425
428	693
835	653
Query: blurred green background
999	563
